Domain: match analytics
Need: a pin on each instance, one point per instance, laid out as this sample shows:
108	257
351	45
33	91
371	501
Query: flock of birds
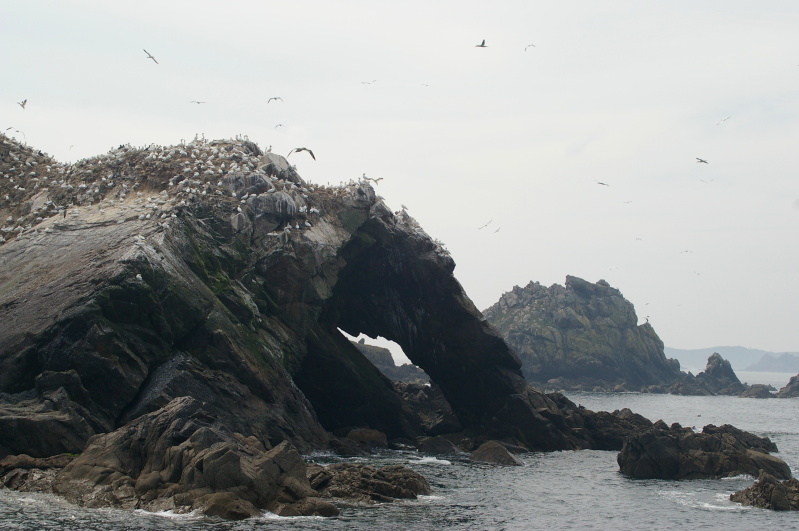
482	44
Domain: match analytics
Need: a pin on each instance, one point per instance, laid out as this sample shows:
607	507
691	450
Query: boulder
768	492
438	446
495	453
181	457
674	452
758	391
364	484
791	390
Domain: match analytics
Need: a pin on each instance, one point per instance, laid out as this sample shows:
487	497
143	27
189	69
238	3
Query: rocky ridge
201	288
581	335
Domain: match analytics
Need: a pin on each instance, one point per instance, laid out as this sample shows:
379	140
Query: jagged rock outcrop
674	452
382	359
581	336
769	492
791	389
181	458
210	275
759	391
718	378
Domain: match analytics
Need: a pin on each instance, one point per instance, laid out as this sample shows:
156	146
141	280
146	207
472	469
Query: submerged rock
674	452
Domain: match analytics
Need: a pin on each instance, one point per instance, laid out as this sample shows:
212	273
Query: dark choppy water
562	490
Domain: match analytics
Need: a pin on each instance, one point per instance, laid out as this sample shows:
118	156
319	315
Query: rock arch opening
402	288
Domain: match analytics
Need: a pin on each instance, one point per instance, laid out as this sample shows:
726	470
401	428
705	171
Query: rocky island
170	337
585	336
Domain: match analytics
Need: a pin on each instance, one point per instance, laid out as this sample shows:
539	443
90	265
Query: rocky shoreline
170	338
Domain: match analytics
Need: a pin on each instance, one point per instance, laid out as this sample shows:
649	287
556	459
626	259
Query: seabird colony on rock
152	183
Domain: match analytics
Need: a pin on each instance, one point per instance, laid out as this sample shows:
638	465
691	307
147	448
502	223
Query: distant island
741	358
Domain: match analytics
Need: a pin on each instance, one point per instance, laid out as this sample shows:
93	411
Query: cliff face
212	270
581	335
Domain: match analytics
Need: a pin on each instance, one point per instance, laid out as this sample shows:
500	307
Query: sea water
559	490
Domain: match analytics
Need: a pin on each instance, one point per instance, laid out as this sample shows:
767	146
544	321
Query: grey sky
628	93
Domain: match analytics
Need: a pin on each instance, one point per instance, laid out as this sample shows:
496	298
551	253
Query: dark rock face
664	452
791	390
430	406
182	305
581	336
769	492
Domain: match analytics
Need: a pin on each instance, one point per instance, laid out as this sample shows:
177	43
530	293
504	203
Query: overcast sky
517	135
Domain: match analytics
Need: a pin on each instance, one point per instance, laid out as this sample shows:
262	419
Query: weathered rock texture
581	336
494	453
365	484
791	390
180	457
769	492
209	279
674	452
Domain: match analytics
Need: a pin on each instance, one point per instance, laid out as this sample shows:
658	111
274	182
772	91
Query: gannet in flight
22	103
481	45
275	98
603	184
525	48
149	56
197	102
302	149
701	160
486	225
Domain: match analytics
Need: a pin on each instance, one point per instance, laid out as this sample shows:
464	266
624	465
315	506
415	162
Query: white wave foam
172	515
431	460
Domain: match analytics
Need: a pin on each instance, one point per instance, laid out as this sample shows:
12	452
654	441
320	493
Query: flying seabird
302	149
724	120
525	48
275	98
486	225
603	184
368	82
150	56
701	160
197	102
278	125
481	45
22	103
